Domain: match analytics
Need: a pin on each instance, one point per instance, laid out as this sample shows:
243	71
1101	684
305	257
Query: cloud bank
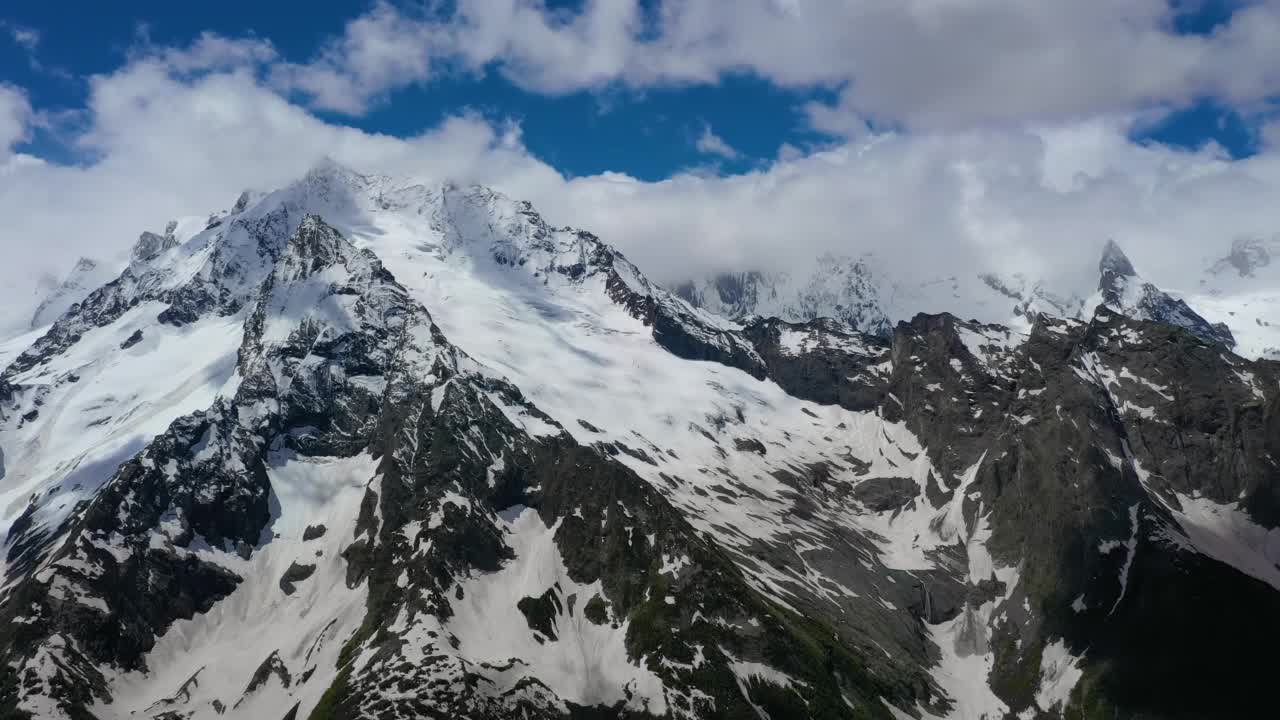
1009	152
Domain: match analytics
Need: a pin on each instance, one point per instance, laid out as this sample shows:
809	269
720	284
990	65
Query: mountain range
1236	296
366	448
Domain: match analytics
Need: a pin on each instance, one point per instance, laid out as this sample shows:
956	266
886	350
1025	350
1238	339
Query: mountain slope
342	387
479	465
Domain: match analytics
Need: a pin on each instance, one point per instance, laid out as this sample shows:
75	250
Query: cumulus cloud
183	131
920	63
712	144
15	117
379	52
209	51
1039	200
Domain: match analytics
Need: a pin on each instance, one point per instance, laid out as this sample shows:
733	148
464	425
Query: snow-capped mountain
842	288
367	448
868	298
1238	292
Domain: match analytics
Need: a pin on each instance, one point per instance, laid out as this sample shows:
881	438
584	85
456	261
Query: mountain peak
1125	292
315	240
150	245
327	167
1114	263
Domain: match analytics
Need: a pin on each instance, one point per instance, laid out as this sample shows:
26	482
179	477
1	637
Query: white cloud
546	51
15	118
182	132
26	37
169	145
712	144
209	51
917	63
381	51
1270	134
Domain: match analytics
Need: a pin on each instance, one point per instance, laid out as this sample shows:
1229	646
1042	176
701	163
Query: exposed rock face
821	361
339	507
150	245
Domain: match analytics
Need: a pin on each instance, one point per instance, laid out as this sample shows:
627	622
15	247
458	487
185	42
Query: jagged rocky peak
150	245
1114	264
1124	291
315	240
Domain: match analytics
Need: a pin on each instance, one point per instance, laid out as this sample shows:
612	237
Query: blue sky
648	132
701	136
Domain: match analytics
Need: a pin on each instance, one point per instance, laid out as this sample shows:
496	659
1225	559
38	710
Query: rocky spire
1128	294
1114	266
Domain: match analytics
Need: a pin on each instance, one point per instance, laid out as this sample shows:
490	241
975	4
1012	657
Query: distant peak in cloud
1114	262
